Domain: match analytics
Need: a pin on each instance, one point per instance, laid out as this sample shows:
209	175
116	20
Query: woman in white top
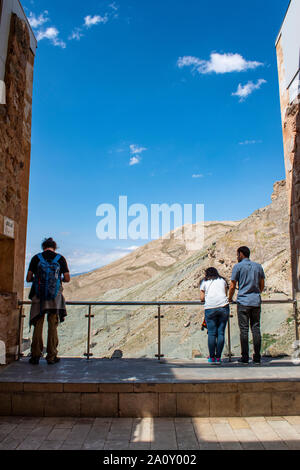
213	291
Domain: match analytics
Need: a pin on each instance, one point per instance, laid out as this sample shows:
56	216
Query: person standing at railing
213	291
250	278
47	271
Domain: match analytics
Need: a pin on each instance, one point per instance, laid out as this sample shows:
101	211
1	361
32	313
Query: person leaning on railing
213	291
250	278
47	271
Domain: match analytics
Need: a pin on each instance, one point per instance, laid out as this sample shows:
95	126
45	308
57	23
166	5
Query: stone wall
15	147
142	400
290	113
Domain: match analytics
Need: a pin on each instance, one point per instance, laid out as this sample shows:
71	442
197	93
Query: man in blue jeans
250	278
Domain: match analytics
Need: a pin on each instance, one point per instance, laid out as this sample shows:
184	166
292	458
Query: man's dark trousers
250	315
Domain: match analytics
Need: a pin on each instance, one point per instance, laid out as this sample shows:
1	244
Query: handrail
157	304
161	302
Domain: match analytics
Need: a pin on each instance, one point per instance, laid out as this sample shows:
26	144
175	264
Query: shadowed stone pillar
288	58
17	49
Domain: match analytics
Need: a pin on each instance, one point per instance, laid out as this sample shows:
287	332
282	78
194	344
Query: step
145	388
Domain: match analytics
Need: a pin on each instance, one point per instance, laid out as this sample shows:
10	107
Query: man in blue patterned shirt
250	278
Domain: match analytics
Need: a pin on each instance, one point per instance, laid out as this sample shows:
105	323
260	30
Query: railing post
88	354
159	317
21	316
229	337
295	307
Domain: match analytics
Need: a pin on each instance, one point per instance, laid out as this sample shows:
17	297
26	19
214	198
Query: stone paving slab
259	433
142	371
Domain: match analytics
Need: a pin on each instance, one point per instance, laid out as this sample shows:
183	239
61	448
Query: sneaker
51	362
256	363
218	361
243	361
211	360
34	361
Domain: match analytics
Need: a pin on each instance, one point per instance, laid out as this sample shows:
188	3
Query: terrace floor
256	433
126	371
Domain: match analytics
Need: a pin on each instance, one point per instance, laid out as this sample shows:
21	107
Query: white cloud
35	22
250	142
113	6
80	261
84	261
198	176
89	21
218	63
114	10
135	160
51	34
133	248
76	34
94	20
129	248
188	61
135	152
244	91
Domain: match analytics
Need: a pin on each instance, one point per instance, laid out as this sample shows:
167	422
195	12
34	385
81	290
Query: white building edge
7	7
290	41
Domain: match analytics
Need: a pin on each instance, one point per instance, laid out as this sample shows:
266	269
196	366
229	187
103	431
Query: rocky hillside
164	269
143	264
265	231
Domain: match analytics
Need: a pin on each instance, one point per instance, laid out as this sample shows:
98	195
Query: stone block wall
203	400
15	147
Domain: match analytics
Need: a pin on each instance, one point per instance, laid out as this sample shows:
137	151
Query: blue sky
162	101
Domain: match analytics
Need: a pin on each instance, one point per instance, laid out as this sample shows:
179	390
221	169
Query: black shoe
53	361
243	361
256	362
34	361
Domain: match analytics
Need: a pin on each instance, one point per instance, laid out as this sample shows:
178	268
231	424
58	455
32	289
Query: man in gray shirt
250	277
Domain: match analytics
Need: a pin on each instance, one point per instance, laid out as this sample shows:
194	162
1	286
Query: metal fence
159	316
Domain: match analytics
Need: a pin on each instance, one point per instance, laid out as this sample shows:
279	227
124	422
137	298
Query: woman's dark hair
211	274
49	243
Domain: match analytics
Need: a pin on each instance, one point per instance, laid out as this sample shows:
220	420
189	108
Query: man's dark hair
245	250
49	243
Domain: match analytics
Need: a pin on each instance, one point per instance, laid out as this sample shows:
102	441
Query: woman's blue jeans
216	319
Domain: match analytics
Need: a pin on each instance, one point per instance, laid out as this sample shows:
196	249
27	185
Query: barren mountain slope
144	263
165	270
266	232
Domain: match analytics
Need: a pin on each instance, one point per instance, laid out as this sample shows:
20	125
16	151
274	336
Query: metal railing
158	317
